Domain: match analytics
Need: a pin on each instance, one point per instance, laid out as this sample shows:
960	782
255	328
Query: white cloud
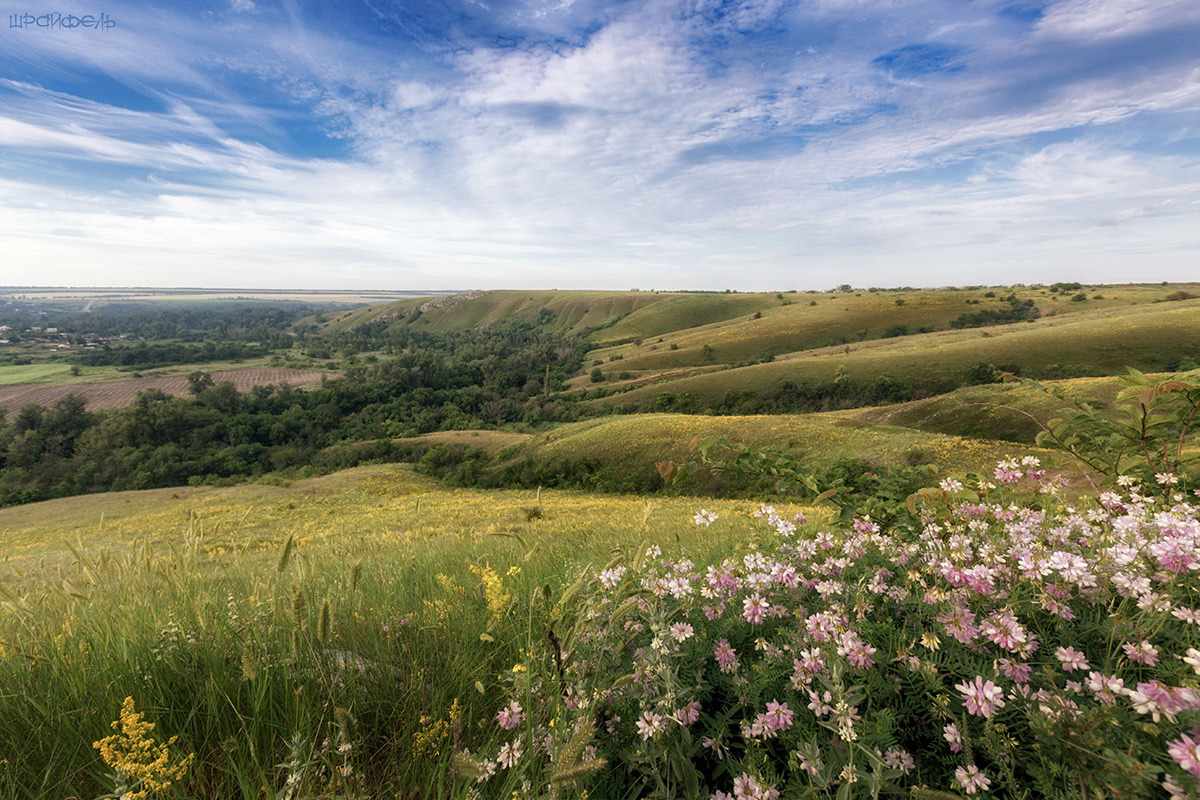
1109	18
645	153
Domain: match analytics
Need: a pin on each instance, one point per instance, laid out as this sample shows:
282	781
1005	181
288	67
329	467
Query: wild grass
398	611
636	442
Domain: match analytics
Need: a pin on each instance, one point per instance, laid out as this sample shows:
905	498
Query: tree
199	381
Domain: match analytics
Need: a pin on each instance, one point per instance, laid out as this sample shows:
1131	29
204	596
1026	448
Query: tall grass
351	654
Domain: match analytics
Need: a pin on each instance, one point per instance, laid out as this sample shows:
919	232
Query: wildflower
1018	672
609	578
896	758
716	745
1142	653
952	735
653	551
747	788
971	779
137	757
1186	752
510	754
649	724
1174	790
1192	659
1004	629
726	656
1104	688
509	716
981	697
755	608
951	485
705	517
689	713
779	716
681	631
1071	659
1166	478
1007	471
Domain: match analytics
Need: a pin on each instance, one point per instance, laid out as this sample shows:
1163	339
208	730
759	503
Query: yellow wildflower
142	764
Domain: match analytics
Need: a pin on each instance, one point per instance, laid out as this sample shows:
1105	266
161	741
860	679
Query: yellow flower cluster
141	763
498	598
433	732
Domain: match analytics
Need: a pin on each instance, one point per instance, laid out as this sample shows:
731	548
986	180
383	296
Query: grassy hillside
998	411
619	454
567	311
1145	337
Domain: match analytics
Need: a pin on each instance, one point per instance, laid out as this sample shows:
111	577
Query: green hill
1147	337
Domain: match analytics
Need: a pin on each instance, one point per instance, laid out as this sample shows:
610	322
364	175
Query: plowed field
118	394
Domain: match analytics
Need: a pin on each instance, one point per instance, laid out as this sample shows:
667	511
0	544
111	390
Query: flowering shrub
1003	642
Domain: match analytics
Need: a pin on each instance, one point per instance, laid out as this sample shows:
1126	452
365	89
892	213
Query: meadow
402	603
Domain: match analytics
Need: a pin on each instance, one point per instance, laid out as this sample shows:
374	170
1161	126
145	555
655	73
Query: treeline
478	379
149	355
215	322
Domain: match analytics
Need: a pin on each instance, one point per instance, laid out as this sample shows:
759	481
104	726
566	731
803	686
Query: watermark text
55	20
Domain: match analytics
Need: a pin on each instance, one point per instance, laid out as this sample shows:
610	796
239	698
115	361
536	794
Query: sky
699	144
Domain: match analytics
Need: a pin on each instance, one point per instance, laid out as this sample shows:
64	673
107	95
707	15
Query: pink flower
1005	629
1142	653
725	655
779	716
952	735
1020	673
1071	659
1186	752
681	631
982	698
971	779
509	716
896	758
689	713
755	608
649	724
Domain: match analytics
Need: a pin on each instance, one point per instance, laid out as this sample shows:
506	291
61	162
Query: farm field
122	393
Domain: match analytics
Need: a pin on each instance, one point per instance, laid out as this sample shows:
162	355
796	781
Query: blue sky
758	145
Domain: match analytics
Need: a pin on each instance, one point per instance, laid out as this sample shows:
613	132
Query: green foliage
854	485
1147	437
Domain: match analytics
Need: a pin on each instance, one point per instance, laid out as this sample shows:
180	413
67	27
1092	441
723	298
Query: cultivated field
119	394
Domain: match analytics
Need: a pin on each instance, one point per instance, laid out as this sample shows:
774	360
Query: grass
998	411
177	599
573	311
1145	337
